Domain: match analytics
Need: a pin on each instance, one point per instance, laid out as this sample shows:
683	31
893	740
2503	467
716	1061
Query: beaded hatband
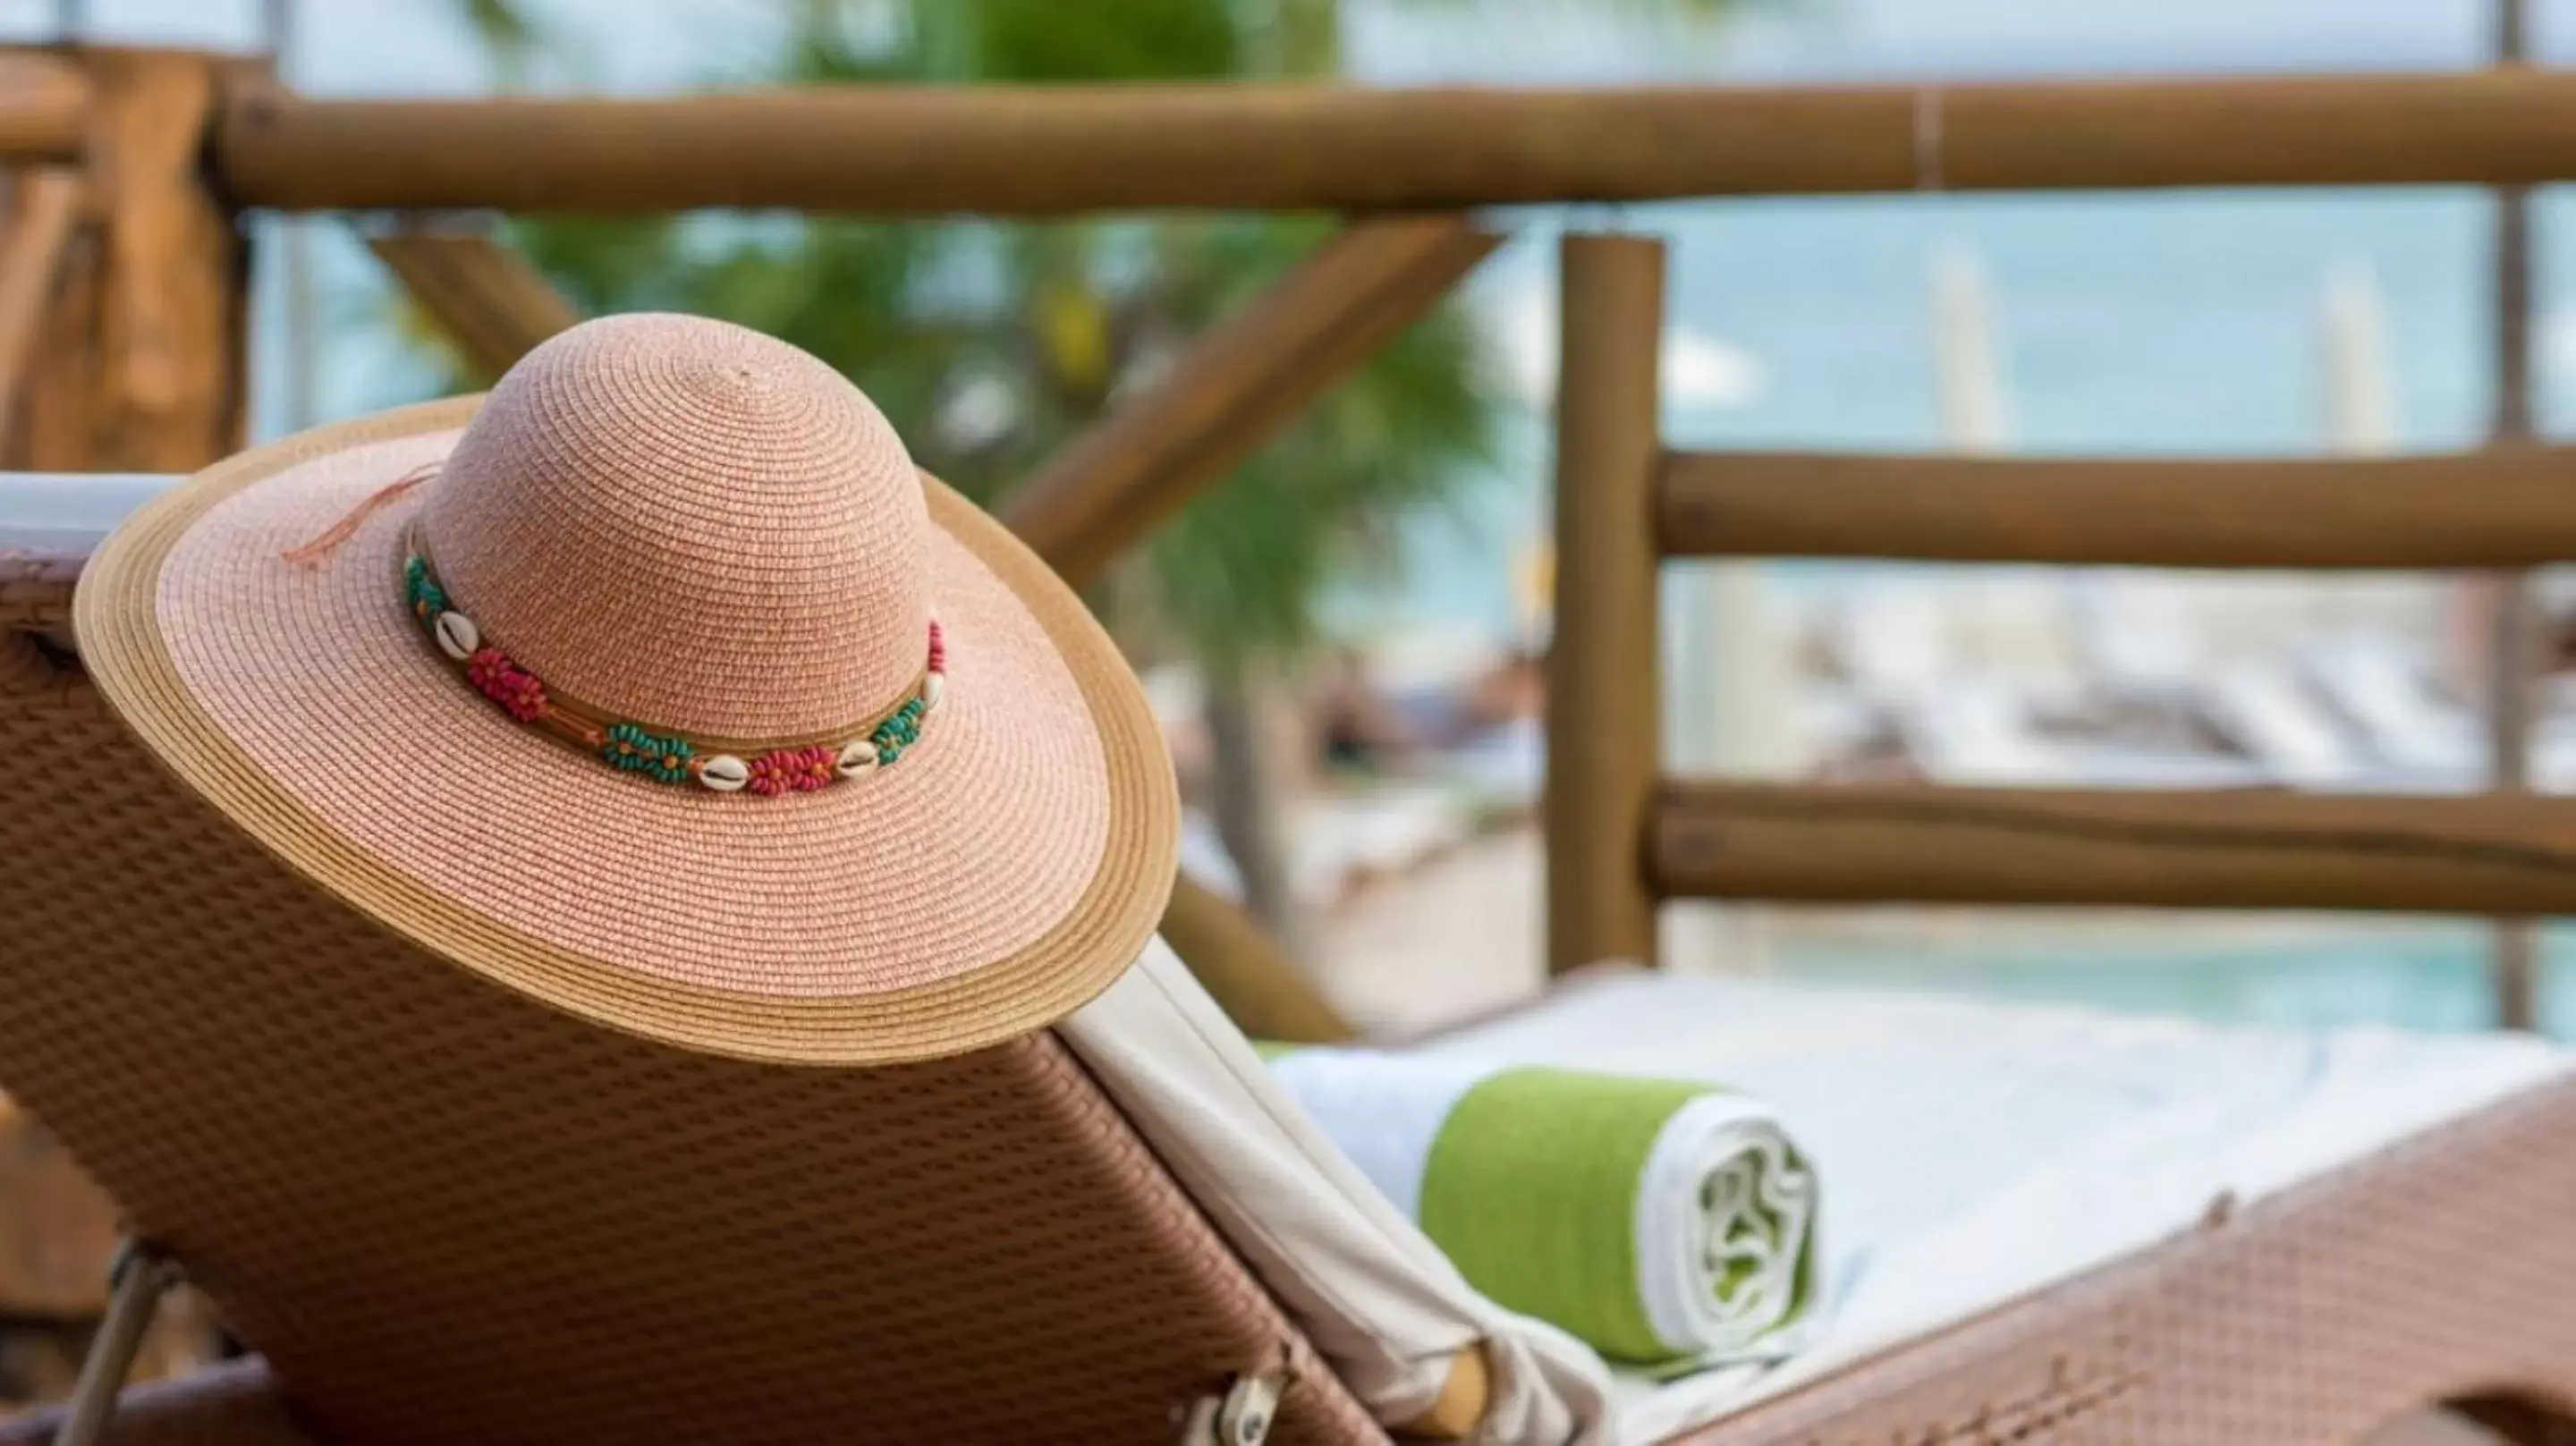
665	757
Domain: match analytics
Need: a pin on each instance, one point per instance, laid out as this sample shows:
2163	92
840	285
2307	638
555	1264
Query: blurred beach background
1400	740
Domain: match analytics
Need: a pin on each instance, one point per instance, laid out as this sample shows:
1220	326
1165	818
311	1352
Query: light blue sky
411	46
1871	38
416	47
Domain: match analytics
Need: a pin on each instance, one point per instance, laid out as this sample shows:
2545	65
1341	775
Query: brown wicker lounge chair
990	1253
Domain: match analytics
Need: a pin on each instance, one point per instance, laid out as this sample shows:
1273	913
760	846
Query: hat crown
690	524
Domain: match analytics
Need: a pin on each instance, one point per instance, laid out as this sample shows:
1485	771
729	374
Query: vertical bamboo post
1604	732
136	362
2514	661
142	336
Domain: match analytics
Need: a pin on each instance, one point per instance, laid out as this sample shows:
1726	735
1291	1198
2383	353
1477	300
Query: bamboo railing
1050	150
130	171
2494	854
1237	386
149	372
2497	508
1634	839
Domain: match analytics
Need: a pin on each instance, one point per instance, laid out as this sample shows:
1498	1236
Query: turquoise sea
2432	977
2172	323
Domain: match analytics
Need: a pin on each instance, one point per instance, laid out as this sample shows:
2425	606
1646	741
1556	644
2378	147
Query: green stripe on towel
1660	1221
1531	1189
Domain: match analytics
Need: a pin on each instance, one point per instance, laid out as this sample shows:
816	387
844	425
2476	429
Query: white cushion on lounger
1969	1152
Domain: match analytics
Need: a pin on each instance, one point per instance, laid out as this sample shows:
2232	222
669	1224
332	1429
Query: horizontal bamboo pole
1056	149
2494	854
44	108
2501	508
1236	386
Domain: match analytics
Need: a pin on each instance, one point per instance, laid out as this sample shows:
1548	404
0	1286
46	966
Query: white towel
1662	1222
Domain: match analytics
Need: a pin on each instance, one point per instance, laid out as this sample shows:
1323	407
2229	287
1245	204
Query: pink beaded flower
793	770
506	683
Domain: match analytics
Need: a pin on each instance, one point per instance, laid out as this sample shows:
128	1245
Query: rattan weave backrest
448	1215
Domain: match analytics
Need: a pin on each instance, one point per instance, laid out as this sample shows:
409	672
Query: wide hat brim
1010	867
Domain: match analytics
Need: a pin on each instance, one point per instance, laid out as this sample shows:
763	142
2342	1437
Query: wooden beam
2510	855
173	301
1260	988
1604	703
43	208
2509	507
1217	404
1032	150
142	338
488	297
44	108
1237	386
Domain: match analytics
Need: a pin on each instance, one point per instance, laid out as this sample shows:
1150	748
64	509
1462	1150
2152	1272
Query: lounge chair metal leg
136	1283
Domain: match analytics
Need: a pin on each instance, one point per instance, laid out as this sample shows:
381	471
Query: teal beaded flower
897	733
422	591
664	760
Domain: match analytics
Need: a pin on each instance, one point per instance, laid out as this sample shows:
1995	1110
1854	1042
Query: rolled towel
1664	1223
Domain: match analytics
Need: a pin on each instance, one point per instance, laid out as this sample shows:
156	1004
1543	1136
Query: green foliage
1049	40
1037	327
1408	432
508	32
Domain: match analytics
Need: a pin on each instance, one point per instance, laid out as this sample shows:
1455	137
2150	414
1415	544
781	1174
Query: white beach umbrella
1700	371
2359	404
1967	366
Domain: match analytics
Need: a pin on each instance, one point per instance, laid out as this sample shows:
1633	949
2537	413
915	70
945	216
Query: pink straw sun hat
660	686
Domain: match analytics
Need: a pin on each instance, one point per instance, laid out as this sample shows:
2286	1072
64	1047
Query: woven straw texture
447	1212
1003	872
647	501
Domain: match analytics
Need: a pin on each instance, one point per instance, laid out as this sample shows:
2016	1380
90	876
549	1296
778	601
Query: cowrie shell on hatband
457	635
